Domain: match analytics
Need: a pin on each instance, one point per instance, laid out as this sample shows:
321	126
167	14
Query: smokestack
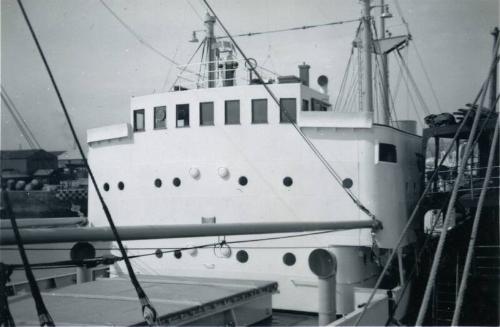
304	73
323	83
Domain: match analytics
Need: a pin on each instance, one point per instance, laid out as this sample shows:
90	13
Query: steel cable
468	147
148	310
419	202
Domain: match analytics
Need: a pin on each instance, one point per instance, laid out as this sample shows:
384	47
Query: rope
43	314
472	242
419	203
437	256
147	308
332	172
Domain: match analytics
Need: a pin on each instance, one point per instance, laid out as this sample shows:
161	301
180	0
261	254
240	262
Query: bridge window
182	114
288	110
139	120
305	105
232	109
160	117
318	105
206	114
387	152
259	111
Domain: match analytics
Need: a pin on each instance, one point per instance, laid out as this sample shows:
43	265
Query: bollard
323	264
83	275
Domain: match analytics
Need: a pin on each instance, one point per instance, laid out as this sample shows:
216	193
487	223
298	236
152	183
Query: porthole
121	186
159	253
176	181
178	254
158	182
242	256
347	183
287	181
289	259
106	187
243	181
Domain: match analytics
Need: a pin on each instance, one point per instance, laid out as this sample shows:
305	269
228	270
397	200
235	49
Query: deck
178	301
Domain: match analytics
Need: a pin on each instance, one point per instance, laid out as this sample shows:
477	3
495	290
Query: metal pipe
323	263
44	222
94	234
209	23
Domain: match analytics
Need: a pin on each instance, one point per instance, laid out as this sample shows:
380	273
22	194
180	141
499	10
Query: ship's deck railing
225	73
472	181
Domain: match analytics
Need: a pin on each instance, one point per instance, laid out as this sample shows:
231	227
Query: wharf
178	301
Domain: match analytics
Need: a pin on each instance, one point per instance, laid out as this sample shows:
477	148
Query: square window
206	114
232	111
160	117
182	115
305	105
318	105
139	120
387	152
288	110
259	111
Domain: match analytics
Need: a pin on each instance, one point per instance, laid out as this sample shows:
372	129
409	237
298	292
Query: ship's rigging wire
202	43
343	82
148	310
110	259
415	87
433	91
414	270
194	10
410	95
297	28
6	319
19	120
426	74
475	225
313	148
413	215
43	314
461	170
137	36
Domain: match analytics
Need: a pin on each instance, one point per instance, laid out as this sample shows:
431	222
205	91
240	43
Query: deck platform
178	301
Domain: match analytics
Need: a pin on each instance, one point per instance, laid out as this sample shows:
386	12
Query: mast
209	24
385	112
367	54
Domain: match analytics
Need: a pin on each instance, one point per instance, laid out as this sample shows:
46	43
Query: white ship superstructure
223	151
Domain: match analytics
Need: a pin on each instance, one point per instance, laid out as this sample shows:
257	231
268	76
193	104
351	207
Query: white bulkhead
255	169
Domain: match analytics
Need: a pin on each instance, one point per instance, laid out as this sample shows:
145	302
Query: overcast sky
99	65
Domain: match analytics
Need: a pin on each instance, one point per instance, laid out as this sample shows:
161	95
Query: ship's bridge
236	105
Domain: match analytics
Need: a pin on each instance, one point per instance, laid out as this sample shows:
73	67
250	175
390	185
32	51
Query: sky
99	65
